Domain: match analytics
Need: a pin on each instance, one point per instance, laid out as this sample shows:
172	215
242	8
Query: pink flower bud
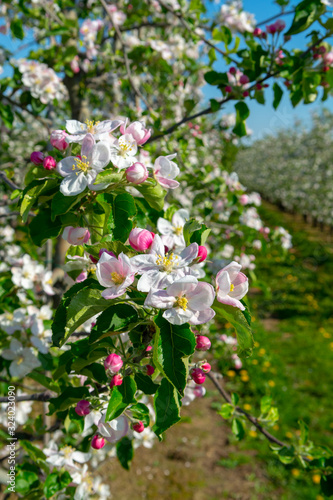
198	376
279	25
257	32
228	89
205	367
202	253
116	380
259	86
328	58
244	79
138	427
58	140
150	370
137	173
232	70
149	348
271	29
76	235
113	363
93	259
97	442
49	163
246	93
141	239
37	157
203	343
82	408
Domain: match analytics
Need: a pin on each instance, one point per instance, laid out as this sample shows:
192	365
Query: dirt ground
195	462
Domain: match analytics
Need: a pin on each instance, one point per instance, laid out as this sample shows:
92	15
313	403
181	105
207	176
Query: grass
292	360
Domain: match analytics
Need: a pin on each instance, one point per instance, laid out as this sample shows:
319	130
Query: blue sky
263	118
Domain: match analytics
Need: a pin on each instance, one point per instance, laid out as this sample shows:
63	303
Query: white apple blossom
165	171
77	131
114	430
65	456
11	322
145	438
231	285
158	269
123	151
172	232
80	173
23	359
115	274
187	300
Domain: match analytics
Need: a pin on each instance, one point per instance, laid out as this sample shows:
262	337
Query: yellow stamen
124	147
91	125
178	230
20	360
168	262
181	302
117	278
81	165
232	287
67	451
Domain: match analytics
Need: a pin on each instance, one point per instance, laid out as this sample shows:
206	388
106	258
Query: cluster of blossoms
235	18
89	30
42	81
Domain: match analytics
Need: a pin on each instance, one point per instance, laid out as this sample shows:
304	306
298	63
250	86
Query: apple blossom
97	442
49	163
185	301
37	157
23	361
141	239
158	269
115	274
116	380
76	235
165	171
65	457
82	408
138	131
198	376
172	232
138	427
58	140
77	131
113	363
123	151
231	285
113	430
137	173
80	173
145	438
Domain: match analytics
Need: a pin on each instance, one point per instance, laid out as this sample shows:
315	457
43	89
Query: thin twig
252	419
9	183
136	91
276	16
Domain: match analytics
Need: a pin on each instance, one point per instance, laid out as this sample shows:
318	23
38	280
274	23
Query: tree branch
276	16
9	183
252	419
136	91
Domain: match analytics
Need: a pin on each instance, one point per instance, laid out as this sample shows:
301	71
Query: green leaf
109	177
153	193
116	318
62	204
326	484
145	383
242	113
125	452
287	455
35	454
16	28
70	396
265	404
306	13
6	115
124	210
278	93
95	371
83	306
141	412
214	78
173	344
304	432
167	407
106	201
121	397
32	192
43	228
56	481
244	333
238	428
227	410
215	105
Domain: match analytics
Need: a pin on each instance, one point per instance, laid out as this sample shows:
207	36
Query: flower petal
73	184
